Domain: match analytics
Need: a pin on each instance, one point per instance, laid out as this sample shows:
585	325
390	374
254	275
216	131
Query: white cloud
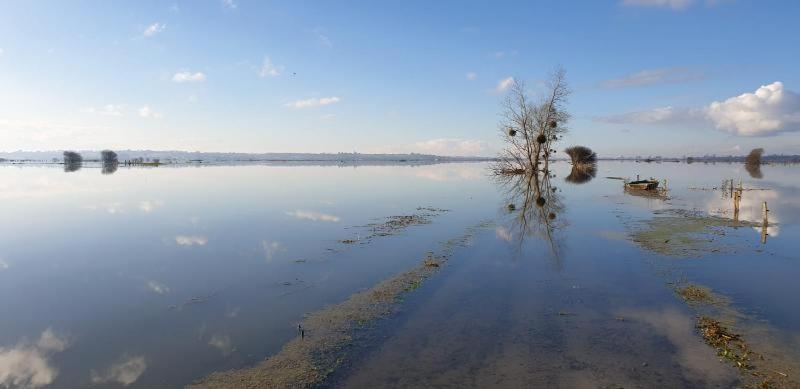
112	208
672	4
659	115
504	84
191	240
653	76
230	4
452	146
268	69
148	113
472	76
223	343
187	76
157	287
27	366
125	372
107	110
322	38
272	248
313	102
3	264
503	54
314	216
768	111
154	29
1	51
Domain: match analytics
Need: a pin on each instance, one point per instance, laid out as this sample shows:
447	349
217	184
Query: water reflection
109	168
157	287
28	365
222	343
70	167
582	173
191	240
698	361
754	170
271	248
313	216
126	371
750	209
148	206
534	206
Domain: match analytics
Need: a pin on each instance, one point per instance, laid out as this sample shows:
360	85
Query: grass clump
695	294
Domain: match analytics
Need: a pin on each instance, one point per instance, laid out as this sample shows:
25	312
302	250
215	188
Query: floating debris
729	345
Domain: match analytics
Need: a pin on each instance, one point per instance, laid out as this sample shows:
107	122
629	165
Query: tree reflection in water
70	167
535	208
582	173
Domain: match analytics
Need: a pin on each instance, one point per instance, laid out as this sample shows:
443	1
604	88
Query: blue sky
421	76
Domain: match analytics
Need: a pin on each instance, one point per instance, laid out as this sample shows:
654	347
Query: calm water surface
157	277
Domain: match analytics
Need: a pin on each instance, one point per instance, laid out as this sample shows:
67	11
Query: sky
649	77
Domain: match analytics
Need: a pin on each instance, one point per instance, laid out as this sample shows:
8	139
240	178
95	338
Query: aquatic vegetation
395	224
682	233
326	337
695	294
728	344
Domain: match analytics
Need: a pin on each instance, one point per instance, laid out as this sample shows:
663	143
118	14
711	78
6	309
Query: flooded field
398	276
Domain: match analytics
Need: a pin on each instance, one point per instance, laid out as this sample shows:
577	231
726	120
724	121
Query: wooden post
765	224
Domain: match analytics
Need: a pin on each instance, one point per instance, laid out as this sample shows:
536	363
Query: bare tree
531	128
581	155
108	157
71	157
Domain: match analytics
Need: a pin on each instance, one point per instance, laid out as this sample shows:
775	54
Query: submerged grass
724	328
682	233
394	224
326	335
695	294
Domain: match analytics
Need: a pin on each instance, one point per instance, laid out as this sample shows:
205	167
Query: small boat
650	184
